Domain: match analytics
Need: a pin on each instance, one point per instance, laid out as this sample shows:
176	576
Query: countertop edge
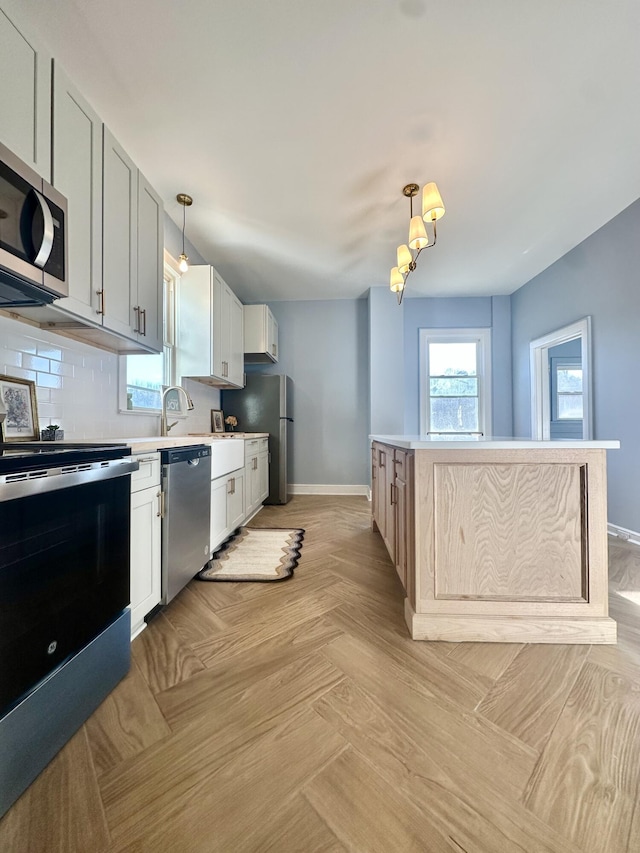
417	443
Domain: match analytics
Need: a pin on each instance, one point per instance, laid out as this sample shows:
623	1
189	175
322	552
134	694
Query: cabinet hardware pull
160	497
136	325
380	459
143	316
391	500
101	295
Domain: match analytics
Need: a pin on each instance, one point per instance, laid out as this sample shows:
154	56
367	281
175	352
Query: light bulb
183	266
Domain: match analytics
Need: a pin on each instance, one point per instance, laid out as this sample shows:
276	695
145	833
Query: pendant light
407	255
186	201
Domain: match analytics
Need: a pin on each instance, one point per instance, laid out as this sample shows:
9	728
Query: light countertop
432	442
151	443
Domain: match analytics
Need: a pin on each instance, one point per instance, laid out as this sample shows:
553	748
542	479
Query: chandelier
408	253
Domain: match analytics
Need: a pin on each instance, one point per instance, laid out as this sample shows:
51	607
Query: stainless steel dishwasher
186	486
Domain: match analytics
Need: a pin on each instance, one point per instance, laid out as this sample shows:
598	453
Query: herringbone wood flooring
299	716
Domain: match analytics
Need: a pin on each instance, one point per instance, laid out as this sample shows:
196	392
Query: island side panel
576	612
510	532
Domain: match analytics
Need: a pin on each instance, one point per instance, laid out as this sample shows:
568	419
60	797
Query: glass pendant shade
417	234
432	204
183	264
396	282
405	259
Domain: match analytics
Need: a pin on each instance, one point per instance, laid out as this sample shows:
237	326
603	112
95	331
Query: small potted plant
52	433
231	421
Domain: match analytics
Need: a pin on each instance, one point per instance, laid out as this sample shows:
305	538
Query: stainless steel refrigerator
265	404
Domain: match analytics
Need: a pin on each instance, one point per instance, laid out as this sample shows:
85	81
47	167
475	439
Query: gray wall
386	362
324	348
600	278
460	313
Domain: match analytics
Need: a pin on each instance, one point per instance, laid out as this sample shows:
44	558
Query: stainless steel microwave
33	236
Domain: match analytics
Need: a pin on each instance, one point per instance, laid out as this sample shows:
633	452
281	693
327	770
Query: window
569	392
455	382
141	377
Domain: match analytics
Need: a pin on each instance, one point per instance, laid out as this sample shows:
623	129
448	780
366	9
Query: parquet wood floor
299	716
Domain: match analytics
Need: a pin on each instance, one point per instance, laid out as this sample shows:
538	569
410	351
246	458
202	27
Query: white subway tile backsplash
77	386
10	358
48	351
49	380
20	373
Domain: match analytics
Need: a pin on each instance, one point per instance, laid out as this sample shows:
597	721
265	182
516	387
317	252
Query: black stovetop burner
28	455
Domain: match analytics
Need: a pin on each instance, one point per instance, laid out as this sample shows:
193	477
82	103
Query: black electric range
30	455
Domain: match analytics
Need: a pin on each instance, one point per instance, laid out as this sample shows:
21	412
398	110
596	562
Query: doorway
561	398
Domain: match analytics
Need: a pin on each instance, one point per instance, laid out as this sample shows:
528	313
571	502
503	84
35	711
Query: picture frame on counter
19	399
217	420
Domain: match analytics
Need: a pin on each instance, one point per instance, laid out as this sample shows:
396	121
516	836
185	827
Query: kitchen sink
226	456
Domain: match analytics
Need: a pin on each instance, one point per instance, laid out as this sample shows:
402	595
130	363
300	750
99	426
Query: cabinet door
236	501
221	331
272	336
379	482
219	528
400	497
263	477
252	484
150	266
235	370
119	263
25	97
194	353
77	173
390	508
145	555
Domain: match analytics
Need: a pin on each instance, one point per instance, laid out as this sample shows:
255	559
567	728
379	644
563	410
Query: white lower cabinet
227	506
145	540
256	468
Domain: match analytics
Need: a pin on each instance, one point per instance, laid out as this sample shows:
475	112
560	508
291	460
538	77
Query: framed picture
19	398
217	420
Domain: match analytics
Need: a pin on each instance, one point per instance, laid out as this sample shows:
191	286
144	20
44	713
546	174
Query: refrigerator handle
286	419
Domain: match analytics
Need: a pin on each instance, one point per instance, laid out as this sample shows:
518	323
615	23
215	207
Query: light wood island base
497	541
507	629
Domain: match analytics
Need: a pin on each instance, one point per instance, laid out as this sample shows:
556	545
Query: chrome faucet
164	426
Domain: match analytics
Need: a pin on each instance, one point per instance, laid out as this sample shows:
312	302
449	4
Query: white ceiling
295	124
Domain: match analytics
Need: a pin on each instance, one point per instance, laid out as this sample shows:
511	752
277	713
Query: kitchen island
496	540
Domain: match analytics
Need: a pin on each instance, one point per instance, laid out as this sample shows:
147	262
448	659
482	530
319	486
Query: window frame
481	337
170	286
569	365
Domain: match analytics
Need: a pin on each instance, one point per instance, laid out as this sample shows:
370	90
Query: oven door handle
54	479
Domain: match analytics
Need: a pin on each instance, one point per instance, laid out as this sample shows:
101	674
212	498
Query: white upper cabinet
260	334
25	97
130	299
120	218
77	174
150	266
210	329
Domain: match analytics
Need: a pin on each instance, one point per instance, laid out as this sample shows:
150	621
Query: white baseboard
623	533
323	489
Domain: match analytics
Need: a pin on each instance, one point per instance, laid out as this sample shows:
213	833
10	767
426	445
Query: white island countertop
433	442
